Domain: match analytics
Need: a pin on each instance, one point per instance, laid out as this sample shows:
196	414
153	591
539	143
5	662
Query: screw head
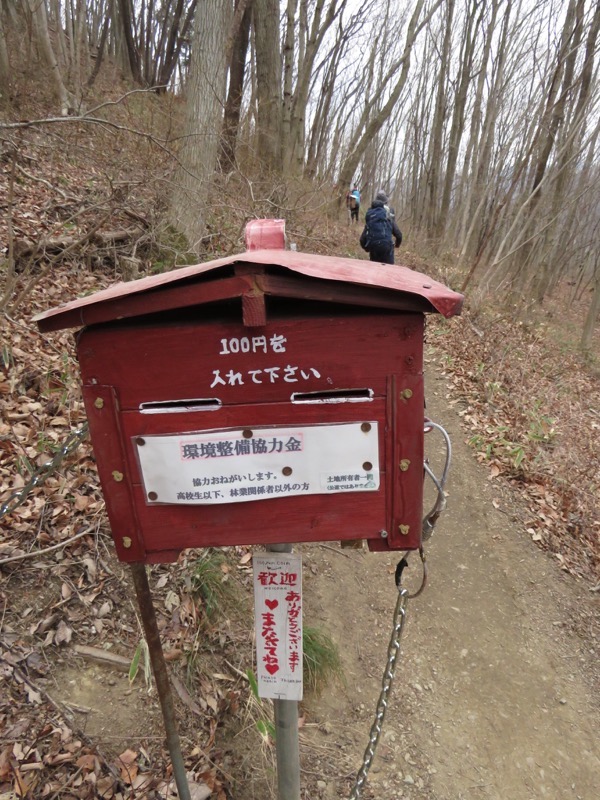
407	394
404	529
383	534
99	402
126	541
140	441
365	427
404	464
152	496
117	476
287	471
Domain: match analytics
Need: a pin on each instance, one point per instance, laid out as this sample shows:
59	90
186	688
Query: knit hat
382	196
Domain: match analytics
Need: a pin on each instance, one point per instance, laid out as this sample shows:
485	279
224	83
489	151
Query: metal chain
386	684
39	476
400	614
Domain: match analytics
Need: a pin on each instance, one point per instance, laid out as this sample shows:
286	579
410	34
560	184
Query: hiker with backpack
381	232
353	203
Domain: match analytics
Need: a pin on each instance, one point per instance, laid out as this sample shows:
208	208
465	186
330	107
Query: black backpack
379	226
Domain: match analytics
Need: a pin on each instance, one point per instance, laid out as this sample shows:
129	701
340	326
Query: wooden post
159	668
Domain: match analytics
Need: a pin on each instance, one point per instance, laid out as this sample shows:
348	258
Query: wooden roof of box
257	273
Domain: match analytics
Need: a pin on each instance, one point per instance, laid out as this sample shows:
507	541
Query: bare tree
237	70
576	113
153	37
434	158
370	125
268	83
39	20
474	14
5	74
205	99
559	87
314	33
591	319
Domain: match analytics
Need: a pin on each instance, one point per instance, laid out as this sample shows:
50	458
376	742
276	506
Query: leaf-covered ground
530	406
532	409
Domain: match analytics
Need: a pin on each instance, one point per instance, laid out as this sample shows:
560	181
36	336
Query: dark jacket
375	216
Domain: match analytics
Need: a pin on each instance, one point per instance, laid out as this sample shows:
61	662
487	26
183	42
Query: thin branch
123	97
42	274
63	194
35	553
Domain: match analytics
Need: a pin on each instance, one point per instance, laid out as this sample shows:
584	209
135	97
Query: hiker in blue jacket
353	203
380	231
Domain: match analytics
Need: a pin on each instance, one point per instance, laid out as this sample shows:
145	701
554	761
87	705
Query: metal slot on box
181	406
334	396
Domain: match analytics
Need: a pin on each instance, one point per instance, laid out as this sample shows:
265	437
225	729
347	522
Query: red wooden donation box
271	396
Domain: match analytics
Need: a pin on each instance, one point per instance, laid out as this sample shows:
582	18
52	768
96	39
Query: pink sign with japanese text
278	624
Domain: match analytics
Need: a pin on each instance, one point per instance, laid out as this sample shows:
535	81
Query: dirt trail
494	693
495	696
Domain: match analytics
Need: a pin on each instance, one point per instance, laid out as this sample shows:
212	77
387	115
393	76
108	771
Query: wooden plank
219	375
254	311
375	282
115	478
196	360
162	299
296	518
338	292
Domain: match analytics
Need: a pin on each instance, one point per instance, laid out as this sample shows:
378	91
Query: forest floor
496	693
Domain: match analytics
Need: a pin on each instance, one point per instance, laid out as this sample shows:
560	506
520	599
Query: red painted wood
408	408
115	477
265	234
176	361
254	312
328	325
284	286
302	518
314	268
127	306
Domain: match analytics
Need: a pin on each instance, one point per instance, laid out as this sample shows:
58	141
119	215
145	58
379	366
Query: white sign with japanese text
234	466
278	624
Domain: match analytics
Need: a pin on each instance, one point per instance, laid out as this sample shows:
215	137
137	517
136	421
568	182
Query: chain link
72	442
386	686
400	615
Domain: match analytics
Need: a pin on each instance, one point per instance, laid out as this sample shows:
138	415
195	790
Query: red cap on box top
265	234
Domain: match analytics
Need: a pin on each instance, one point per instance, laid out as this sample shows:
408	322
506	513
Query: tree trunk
42	35
322	121
574	131
473	196
549	126
458	121
127	17
435	157
378	120
169	54
288	79
101	46
591	319
205	98
233	106
5	74
293	155
268	83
